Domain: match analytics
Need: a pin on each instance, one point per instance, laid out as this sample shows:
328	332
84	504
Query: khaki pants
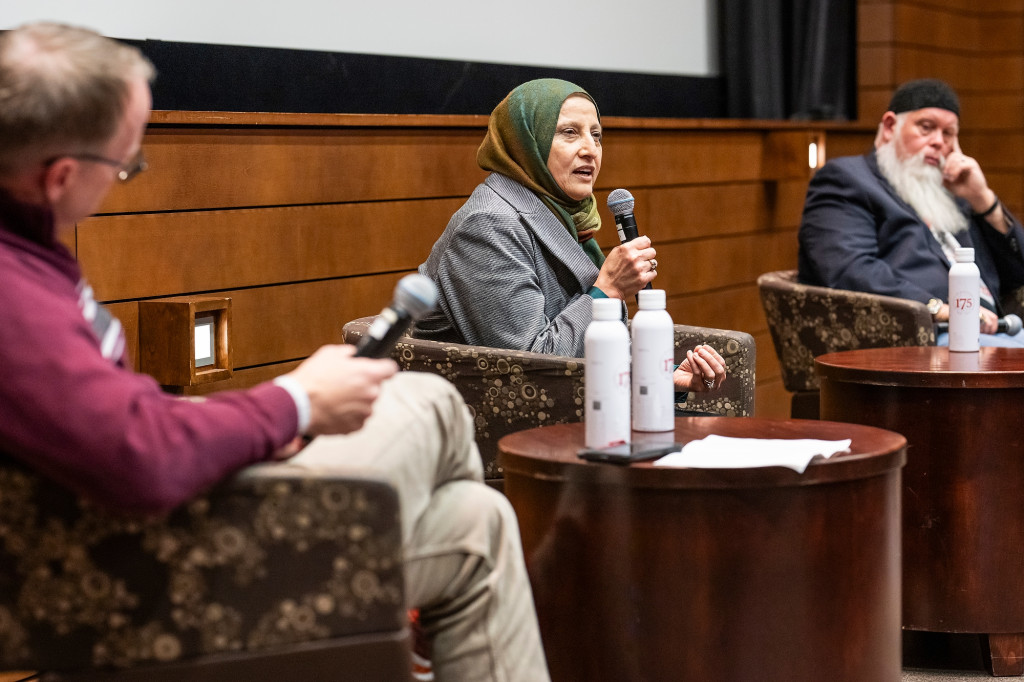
464	564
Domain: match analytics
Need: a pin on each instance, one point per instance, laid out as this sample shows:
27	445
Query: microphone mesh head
620	202
1013	324
416	294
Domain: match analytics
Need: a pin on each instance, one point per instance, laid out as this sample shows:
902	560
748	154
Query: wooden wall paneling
639	158
771	399
1002	149
995	6
244	378
722	202
1003	30
786	204
128	314
935	27
719	262
690	212
1001	155
875	22
972	6
1008	186
288	322
697	211
767	363
168	254
785	154
992	111
975	72
851	143
873	102
737	307
875	66
224	168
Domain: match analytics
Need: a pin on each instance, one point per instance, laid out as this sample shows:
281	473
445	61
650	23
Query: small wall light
816	152
185	340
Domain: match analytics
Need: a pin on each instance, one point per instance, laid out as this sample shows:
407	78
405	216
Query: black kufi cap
924	93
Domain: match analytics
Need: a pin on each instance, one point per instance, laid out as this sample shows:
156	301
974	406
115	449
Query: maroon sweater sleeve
104	431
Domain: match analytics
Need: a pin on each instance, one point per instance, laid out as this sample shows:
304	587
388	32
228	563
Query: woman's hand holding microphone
628	268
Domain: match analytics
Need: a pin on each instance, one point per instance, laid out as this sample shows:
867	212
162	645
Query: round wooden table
963	485
654	573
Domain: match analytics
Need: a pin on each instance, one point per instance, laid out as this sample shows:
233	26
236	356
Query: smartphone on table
627	453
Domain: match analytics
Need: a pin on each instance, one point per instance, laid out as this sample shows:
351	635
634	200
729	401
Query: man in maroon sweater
73	110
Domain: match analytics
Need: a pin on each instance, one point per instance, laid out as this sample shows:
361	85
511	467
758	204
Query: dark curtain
788	59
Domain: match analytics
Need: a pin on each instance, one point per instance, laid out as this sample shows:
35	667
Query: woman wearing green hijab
517	266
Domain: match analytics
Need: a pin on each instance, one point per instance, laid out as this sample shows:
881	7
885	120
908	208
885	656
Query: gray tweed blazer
509	275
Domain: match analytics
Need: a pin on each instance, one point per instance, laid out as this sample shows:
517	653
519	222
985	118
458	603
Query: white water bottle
606	376
653	359
964	302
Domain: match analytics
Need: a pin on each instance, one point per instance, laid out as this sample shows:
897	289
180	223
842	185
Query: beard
920	185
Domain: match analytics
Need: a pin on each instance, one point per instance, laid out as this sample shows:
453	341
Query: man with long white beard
888	222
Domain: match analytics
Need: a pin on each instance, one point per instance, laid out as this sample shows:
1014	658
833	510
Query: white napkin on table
722	452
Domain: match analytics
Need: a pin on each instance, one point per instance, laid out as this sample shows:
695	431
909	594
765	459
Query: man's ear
56	178
888	128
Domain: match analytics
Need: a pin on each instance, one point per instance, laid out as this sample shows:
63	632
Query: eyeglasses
125	171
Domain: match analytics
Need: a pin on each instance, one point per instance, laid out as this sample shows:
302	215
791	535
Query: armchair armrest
266	561
735	397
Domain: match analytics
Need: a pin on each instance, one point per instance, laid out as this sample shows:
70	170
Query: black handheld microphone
1009	325
415	296
620	203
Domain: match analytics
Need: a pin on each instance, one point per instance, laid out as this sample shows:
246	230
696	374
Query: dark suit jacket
857	234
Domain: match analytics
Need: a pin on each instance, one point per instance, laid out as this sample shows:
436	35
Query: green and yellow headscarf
517	144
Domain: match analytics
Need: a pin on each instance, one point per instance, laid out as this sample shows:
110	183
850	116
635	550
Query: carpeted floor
920	675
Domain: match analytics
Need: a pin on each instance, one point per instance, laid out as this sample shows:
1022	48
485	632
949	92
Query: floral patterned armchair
807	321
271	576
509	391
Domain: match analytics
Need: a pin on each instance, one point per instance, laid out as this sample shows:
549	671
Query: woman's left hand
703	370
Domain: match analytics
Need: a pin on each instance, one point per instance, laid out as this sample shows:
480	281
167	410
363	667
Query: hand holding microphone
341	383
414	297
632	265
1010	325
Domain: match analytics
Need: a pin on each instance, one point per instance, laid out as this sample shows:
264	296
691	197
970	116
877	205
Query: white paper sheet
722	452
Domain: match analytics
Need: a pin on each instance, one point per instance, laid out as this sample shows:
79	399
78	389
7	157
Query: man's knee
427	389
484	514
434	408
496	511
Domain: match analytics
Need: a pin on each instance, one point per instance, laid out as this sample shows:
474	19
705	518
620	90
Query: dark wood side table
654	573
963	485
